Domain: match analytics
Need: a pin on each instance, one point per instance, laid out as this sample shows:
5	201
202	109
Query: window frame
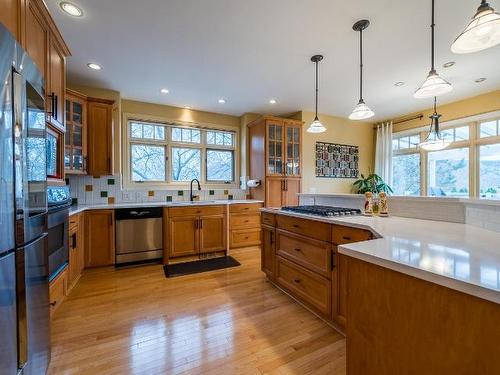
473	144
169	183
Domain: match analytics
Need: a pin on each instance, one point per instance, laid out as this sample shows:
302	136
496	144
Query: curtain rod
419	117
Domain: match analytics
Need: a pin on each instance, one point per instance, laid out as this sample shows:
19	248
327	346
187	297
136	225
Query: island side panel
398	324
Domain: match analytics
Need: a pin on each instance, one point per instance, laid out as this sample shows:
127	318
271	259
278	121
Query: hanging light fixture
434	85
482	32
361	111
434	140
316	126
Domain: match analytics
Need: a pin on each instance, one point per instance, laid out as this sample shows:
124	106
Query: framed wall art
336	161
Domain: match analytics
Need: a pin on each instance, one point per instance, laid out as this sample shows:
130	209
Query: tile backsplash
107	189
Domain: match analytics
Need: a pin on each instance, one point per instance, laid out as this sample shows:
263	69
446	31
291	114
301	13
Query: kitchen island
412	296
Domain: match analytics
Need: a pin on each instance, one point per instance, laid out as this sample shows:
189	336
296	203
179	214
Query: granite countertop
80	208
458	256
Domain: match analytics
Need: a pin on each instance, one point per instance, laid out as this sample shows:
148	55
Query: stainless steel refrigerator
24	289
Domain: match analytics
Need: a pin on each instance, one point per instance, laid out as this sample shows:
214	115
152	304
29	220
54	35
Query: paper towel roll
253	183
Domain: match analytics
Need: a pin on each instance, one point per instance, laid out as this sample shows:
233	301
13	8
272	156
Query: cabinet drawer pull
296	225
346	238
297	249
53	303
296	281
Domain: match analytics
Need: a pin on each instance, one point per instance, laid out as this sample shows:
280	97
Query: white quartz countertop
458	256
80	208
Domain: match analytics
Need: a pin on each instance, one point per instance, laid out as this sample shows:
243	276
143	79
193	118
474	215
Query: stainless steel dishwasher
139	234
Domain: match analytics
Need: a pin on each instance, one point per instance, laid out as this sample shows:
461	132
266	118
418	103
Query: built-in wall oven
59	200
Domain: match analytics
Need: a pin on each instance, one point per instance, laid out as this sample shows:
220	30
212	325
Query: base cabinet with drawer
300	256
244	225
76	262
58	289
191	231
99	238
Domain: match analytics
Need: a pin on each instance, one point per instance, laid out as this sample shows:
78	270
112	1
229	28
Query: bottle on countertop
384	207
368	203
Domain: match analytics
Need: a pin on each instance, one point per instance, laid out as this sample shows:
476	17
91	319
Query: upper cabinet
37	39
100	136
10	16
56	84
75	150
275	145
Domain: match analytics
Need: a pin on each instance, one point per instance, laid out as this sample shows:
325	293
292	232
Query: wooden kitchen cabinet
244	225
100	136
99	238
37	40
339	289
276	148
190	231
75	153
56	84
10	16
58	289
76	249
268	256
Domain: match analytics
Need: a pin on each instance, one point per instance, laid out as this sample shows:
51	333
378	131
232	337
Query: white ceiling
251	51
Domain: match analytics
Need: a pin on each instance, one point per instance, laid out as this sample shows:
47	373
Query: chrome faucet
191	196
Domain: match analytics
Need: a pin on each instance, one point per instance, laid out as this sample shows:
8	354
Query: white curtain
383	152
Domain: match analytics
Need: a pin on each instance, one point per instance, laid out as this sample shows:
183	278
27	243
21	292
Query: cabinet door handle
201	223
347	238
54	111
286	185
73	240
272	237
333	261
196	224
53	303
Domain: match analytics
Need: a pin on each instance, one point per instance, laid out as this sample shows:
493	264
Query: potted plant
373	182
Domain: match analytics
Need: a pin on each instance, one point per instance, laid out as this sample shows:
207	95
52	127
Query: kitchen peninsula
407	302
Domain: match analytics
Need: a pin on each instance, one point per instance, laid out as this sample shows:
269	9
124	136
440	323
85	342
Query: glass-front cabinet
283	148
75	150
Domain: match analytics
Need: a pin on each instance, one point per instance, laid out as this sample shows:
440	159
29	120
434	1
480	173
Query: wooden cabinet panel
196	211
293	152
339	289
312	254
100	137
243	221
343	234
292	188
57	290
99	238
268	219
37	38
309	228
75	154
10	16
212	230
244	207
275	147
308	286
274	192
268	255
56	85
76	249
183	233
245	237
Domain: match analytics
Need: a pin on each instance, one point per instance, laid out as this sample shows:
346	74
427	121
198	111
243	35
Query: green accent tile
169	198
230	197
211	192
111	181
180	193
74	201
104	194
226	192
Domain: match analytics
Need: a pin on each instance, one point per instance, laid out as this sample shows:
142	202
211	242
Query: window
448	173
406	174
469	167
489	171
163	153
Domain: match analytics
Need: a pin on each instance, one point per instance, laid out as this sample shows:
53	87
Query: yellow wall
339	130
484	103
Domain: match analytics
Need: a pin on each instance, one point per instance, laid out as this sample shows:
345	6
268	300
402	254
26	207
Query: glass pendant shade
434	140
316	127
433	85
482	32
361	112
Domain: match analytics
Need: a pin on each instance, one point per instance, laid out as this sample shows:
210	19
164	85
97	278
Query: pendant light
361	111
316	126
434	140
434	85
482	32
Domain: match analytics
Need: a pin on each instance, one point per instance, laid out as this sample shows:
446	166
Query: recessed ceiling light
398	84
449	64
187	107
71	9
94	66
479	80
164	91
272	101
222	101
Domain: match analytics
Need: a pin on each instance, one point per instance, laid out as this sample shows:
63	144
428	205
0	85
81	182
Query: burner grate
327	211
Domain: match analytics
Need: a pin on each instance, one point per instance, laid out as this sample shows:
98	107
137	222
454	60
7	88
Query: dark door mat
204	265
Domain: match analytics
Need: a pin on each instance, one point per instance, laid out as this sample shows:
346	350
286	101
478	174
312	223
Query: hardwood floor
136	321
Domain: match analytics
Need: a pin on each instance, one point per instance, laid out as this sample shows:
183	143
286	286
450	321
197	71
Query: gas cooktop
327	211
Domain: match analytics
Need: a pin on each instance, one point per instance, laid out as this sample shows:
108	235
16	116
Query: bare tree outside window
220	165
148	163
186	164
